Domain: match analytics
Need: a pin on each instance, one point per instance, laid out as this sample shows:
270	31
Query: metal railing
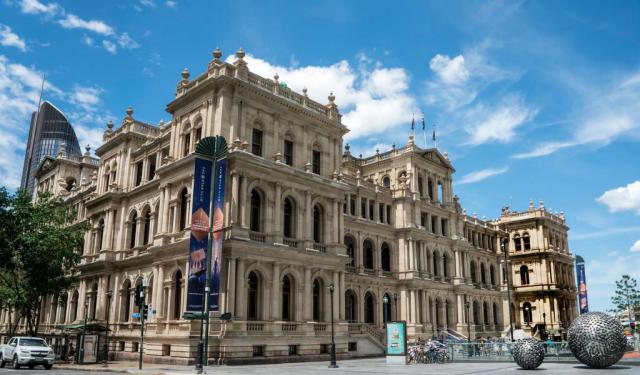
501	351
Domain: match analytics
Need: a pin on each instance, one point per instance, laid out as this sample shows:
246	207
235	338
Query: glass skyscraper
49	129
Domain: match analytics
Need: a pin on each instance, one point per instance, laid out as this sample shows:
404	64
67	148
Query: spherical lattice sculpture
597	339
528	353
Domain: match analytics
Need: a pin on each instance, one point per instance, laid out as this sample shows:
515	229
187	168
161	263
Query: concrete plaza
363	366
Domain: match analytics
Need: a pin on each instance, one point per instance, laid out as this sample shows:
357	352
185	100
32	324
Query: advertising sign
582	285
397	338
200	203
218	221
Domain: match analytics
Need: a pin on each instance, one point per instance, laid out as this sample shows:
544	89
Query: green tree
39	248
627	296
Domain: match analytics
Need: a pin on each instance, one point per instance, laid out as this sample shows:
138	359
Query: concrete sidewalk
130	367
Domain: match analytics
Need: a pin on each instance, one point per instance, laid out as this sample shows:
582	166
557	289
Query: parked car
27	351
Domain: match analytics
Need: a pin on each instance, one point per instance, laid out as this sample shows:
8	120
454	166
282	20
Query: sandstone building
302	213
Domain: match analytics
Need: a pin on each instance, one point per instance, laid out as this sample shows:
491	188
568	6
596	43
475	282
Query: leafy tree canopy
626	295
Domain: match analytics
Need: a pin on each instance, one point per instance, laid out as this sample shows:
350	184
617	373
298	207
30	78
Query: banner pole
207	283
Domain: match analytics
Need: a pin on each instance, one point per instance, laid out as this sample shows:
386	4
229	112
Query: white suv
29	351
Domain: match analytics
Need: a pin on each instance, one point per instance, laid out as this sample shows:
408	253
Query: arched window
177	302
255	217
186	141
440	192
527	313
94	301
472	269
526	241
318	216
99	234
420	187
386	182
436	269
517	242
483	277
524	275
387	307
288	219
198	135
256	142
351	308
287	298
316	159
351	253
485	312
438	313
369	308
430	188
445	265
367	248
385	257
476	313
184	204
495	314
74	305
492	274
317	300
253	295
147	227
134	230
126	301
287	150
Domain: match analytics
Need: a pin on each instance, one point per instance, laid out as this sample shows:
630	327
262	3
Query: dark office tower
49	129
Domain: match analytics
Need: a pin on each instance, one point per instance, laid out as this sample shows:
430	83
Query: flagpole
424	131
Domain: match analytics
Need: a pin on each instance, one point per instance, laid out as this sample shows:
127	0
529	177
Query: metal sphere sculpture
597	339
528	353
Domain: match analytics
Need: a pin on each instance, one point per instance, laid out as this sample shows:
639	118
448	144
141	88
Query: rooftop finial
185	74
87	150
331	97
129	111
304	91
532	206
217	54
276	77
110	125
240	54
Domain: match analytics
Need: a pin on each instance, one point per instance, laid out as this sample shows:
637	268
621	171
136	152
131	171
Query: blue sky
532	100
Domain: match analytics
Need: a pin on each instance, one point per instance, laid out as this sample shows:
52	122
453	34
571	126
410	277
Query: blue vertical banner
582	285
200	206
218	233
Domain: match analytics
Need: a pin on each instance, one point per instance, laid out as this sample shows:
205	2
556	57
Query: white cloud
604	233
611	113
626	198
126	42
481	175
170	4
86	97
373	99
636	247
36	7
497	123
451	71
88	40
110	46
10	39
72	21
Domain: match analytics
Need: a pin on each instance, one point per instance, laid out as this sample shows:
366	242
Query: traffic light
145	311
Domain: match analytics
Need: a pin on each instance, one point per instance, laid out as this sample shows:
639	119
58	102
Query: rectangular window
371	206
324	348
388	214
258	350
293	349
381	212
445	230
363	208
134	347
352	205
353	346
152	167
434	224
316	162
288	152
198	135
256	142
138	173
186	147
424	217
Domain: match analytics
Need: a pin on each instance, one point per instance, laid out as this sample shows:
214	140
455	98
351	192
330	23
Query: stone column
82	295
231	285
308	234
241	299
306	306
277	219
243	206
276	296
341	298
336	296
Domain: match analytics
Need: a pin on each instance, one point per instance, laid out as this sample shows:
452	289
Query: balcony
291	242
319	247
257	236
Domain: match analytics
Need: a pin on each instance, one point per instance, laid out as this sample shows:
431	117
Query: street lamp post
544	324
505	242
467	305
395	303
84	332
526	316
385	301
106	332
333	339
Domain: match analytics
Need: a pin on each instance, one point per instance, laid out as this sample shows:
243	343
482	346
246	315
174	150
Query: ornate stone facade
300	215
